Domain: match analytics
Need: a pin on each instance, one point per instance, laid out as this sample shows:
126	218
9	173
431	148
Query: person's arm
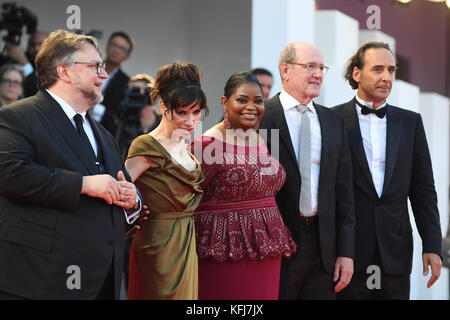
129	200
345	203
28	180
101	186
423	197
24	180
135	167
345	216
138	165
18	55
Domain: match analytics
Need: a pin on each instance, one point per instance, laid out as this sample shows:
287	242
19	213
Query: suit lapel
67	130
325	137
393	134
278	118
355	140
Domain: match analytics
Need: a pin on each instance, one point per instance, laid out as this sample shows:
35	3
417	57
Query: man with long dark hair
391	163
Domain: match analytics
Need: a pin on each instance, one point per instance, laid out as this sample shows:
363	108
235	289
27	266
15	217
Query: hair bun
179	83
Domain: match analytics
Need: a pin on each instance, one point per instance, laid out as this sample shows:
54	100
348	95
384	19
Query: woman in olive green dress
163	258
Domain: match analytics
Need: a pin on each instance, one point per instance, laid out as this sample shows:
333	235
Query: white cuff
131	216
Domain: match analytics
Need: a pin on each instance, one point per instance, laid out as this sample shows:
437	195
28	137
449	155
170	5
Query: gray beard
90	95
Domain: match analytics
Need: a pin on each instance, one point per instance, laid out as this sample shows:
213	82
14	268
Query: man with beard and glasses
64	192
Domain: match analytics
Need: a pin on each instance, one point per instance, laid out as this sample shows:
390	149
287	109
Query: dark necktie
380	112
84	138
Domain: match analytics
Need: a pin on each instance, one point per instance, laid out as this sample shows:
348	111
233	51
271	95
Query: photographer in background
11	81
12	20
118	49
149	117
26	58
34	44
136	116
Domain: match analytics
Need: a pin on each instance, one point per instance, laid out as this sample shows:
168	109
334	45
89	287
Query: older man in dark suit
62	220
391	163
316	200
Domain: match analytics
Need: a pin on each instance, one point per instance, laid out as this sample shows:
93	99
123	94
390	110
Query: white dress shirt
373	133
130	215
70	112
293	120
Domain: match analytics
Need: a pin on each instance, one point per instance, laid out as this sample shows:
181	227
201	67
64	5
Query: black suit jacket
113	95
30	85
335	198
384	222
46	226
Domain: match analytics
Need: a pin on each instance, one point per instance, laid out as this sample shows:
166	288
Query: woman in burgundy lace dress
240	234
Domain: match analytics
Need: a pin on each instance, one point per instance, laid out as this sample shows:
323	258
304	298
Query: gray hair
59	48
11	67
287	55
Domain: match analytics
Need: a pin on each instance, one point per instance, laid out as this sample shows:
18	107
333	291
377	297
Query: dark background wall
422	32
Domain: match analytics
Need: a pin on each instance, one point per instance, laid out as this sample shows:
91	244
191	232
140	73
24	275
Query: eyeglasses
11	82
98	65
312	67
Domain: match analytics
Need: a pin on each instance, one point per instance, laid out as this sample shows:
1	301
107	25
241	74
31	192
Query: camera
134	99
14	19
129	126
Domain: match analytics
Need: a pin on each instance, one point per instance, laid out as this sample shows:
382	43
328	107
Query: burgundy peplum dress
240	233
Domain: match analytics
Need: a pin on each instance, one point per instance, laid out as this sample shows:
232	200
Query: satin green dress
163	258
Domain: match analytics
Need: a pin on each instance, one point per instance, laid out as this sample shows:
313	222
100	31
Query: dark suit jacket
45	224
335	199
113	95
30	85
384	222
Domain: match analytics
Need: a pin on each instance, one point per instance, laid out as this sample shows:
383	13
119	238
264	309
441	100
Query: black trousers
364	285
303	277
9	296
107	292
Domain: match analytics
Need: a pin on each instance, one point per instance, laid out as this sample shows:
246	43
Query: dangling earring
226	122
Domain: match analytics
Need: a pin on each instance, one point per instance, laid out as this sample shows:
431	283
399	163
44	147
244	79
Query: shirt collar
288	102
68	110
369	104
